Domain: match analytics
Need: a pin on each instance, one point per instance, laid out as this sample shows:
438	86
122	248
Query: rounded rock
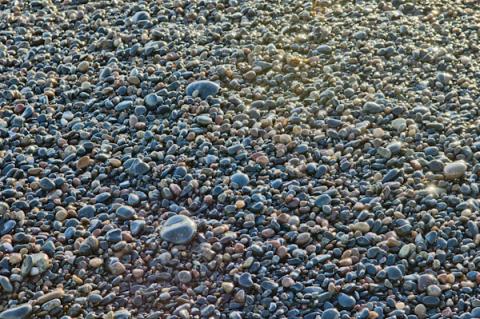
454	170
178	229
202	88
240	179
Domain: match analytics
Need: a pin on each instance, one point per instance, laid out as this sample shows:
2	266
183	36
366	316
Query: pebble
178	229
426	280
18	312
372	107
328	157
346	301
125	212
454	170
393	273
240	179
331	314
140	16
245	280
95	262
184	276
322	200
202	89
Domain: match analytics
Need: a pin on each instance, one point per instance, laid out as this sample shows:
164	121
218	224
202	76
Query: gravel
239	159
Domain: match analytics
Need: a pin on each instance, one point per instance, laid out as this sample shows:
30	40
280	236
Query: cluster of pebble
239	159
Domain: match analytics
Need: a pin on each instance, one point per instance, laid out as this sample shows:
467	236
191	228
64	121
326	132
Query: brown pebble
83	162
83	66
57	293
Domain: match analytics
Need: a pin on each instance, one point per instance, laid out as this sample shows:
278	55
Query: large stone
125	212
455	170
178	229
202	89
372	107
240	179
20	312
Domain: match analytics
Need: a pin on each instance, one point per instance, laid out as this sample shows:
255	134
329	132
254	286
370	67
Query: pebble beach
239	159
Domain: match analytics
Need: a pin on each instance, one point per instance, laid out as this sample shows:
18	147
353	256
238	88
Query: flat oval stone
178	229
331	314
204	88
455	170
125	212
19	312
7	227
372	107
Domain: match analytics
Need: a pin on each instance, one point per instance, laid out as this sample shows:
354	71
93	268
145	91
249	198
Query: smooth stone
122	106
47	184
245	280
178	229
19	312
303	238
434	290
393	273
331	314
6	284
404	251
55	294
454	170
137	226
117	268
324	49
52	304
240	179
122	314
420	310
7	227
114	235
346	301
323	200
372	107
391	175
431	301
204	120
125	212
444	77
399	124
204	88
426	280
151	100
184	276
87	211
139	168
140	16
